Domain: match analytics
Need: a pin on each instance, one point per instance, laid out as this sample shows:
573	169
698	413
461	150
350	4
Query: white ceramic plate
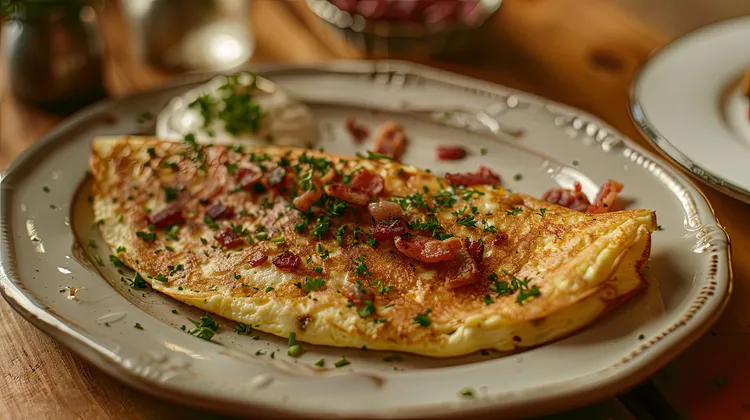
688	101
533	143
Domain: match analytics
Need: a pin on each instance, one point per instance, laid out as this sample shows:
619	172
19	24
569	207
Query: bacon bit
427	250
246	178
451	152
573	199
218	210
228	239
358	131
306	200
287	261
382	210
357	293
369	181
390	140
257	259
475	249
482	176
276	176
388	229
348	193
168	216
500	239
606	197
463	270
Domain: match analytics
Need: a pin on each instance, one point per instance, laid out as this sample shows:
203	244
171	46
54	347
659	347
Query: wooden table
583	53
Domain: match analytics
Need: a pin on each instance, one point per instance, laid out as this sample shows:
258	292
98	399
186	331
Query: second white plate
688	101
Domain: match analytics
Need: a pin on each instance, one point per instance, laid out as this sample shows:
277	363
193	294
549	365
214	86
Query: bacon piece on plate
573	199
168	216
358	131
228	239
390	140
451	152
475	249
606	197
382	210
287	261
500	239
218	210
482	176
348	193
427	250
369	181
257	259
388	229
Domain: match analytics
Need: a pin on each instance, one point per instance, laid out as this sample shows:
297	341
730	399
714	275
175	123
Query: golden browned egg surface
544	270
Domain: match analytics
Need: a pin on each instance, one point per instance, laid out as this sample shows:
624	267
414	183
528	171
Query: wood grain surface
584	53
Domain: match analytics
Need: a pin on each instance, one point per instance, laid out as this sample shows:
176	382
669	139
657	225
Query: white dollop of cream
286	120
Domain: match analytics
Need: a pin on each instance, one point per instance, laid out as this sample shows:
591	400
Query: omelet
361	251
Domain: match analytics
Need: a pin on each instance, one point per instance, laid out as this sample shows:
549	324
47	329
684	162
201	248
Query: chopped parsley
483	151
658	227
278	239
268	289
542	212
98	260
339	235
514	211
170	194
138	326
92	243
146	236
116	261
367	309
341	363
314	283
488	299
138	282
161	278
468	221
361	268
322	226
204	329
467	392
242	328
211	223
320	363
423	319
120	249
517	177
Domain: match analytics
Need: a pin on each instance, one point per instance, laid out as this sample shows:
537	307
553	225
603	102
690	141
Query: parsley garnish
339	235
513	211
211	223
314	283
146	236
138	326
367	309
320	363
468	221
361	268
161	278
341	363
98	260
467	392
138	282
322	225
170	194
116	261
423	319
488	299
242	328
204	329
542	212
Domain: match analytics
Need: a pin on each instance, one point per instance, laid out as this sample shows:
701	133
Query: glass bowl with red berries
406	27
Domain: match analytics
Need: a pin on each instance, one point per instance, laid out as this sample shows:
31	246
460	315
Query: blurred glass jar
53	55
194	35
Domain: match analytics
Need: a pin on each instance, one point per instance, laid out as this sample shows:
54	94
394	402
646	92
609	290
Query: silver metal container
388	38
191	35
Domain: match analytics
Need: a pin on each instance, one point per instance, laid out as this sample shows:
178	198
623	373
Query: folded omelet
361	251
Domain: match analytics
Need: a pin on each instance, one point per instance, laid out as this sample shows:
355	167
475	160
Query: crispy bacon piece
390	140
257	259
287	261
228	239
482	176
388	229
218	210
358	131
168	216
369	181
605	197
348	193
462	271
246	178
382	210
307	198
500	239
475	249
451	152
357	293
573	199
427	250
